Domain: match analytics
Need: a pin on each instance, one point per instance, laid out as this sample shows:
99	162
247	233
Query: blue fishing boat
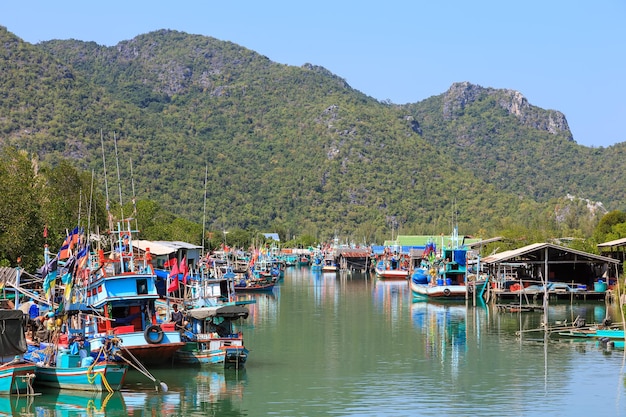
16	374
69	373
74	368
442	277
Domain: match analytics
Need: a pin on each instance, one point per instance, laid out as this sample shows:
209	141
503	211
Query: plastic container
599	286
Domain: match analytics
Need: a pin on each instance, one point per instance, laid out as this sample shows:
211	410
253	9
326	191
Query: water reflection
391	297
263	308
203	390
444	327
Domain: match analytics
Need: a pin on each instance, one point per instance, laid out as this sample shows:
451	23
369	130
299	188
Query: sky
565	55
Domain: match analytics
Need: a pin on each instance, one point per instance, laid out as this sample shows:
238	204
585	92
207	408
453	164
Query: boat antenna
106	184
119	183
206	174
132	183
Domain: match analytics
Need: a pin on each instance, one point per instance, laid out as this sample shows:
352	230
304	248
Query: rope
139	366
92	376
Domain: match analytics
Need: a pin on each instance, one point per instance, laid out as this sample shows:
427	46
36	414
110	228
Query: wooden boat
442	278
211	338
254	286
16	374
124	285
75	373
384	270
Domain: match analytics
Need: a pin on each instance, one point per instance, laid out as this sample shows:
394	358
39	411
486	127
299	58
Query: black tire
446	292
153	334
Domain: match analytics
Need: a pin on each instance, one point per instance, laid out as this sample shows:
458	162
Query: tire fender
153	334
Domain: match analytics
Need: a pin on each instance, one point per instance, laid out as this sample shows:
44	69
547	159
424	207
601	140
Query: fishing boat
123	284
212	308
250	282
74	368
212	339
16	374
441	278
391	269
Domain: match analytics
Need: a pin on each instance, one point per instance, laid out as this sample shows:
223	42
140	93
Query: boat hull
392	273
140	345
104	376
440	292
16	378
255	288
227	356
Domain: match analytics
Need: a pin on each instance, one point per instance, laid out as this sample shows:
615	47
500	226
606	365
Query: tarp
12	337
232	312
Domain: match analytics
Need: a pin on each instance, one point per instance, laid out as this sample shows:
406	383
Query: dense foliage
283	149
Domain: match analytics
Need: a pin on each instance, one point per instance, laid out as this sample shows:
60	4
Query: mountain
293	148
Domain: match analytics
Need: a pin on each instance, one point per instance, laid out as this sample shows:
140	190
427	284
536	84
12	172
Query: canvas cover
231	312
12	337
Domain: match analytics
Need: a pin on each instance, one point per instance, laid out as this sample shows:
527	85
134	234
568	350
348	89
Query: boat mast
106	185
206	174
119	183
132	183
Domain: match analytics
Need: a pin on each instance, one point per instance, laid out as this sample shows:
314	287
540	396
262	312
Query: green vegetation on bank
293	150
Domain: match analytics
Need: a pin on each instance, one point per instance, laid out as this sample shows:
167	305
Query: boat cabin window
142	286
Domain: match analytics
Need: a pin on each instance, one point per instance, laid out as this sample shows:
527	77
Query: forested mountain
295	149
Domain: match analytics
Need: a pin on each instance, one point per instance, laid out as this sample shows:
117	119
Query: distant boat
254	286
387	270
16	374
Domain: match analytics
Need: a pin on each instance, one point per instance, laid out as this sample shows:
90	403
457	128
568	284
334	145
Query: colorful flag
174	284
174	278
169	263
184	268
81	257
68	244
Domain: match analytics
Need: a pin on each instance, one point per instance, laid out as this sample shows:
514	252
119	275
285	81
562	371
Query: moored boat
441	278
16	374
390	270
211	338
123	285
73	373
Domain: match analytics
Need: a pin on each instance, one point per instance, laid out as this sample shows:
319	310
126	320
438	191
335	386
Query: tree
21	224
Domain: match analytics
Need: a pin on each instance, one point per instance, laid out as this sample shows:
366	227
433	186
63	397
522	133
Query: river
352	345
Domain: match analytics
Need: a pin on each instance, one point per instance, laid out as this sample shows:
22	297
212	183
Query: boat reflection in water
211	388
61	403
444	328
262	307
391	296
13	405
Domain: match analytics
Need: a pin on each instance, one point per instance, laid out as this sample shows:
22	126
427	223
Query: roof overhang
536	253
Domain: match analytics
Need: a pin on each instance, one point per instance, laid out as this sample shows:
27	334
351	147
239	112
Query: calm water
351	345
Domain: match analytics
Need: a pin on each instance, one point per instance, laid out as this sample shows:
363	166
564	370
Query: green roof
406	240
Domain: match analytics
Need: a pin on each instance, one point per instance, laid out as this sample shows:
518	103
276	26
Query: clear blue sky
563	55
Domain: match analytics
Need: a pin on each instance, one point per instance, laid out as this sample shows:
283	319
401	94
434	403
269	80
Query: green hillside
294	149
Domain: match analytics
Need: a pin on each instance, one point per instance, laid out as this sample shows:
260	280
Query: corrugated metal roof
617	242
163	247
536	250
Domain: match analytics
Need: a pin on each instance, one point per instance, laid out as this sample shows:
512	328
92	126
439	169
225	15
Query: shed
557	263
614	249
